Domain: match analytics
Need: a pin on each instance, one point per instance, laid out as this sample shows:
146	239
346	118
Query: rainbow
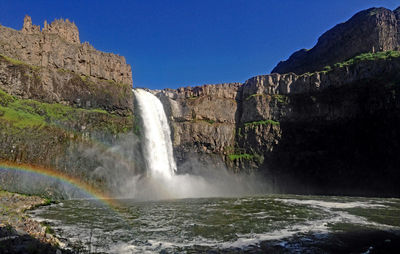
86	188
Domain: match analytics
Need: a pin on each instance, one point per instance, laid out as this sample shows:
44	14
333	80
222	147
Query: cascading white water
163	183
156	135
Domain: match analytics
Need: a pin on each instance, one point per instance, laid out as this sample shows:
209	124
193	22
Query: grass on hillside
26	113
382	55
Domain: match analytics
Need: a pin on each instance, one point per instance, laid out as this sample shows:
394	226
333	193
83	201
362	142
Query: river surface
277	223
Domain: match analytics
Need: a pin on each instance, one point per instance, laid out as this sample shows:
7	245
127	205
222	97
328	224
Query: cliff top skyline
187	43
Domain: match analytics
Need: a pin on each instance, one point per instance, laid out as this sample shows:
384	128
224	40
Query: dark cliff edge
372	30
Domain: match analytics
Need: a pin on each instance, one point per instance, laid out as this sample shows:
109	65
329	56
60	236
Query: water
156	138
231	224
256	223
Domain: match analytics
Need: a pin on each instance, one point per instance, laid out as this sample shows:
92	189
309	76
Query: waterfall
156	136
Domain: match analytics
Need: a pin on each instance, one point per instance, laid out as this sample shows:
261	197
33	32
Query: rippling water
222	224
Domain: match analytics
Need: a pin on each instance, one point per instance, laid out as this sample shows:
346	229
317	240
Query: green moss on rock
244	156
263	122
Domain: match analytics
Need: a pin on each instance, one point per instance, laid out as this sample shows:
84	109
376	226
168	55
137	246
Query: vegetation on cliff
26	113
370	56
262	122
245	156
55	136
24	80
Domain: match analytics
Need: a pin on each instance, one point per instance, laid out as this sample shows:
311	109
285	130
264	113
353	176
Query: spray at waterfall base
163	180
138	166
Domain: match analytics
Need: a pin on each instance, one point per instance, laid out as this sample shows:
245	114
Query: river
276	223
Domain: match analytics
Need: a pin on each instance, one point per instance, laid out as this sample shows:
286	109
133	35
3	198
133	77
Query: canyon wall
330	132
332	129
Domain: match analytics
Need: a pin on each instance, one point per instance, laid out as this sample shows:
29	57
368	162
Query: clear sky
174	43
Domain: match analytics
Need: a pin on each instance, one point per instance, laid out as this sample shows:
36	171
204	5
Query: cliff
51	65
372	30
57	45
326	121
312	133
63	104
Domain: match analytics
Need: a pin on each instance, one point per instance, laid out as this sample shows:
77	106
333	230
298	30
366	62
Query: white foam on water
314	227
330	205
318	227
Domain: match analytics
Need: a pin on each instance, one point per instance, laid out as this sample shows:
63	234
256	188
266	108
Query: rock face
204	118
372	30
64	29
311	133
52	66
58	46
338	134
60	86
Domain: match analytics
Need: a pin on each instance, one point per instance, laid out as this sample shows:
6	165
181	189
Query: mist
123	169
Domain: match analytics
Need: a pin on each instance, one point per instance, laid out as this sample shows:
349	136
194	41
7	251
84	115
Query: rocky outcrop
372	30
66	30
52	66
57	46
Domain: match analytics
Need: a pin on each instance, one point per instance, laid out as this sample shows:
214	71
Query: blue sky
174	43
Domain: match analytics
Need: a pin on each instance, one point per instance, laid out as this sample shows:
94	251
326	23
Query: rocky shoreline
21	234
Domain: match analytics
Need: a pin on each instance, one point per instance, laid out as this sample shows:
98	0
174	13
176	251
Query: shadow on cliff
341	141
